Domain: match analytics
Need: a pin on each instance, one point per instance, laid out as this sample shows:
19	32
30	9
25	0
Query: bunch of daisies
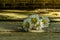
34	22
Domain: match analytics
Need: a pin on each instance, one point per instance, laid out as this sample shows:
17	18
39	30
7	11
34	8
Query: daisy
27	25
34	19
39	25
45	21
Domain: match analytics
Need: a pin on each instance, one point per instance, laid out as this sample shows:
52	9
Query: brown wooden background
29	4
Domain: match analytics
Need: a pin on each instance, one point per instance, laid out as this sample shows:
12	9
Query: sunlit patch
55	14
45	21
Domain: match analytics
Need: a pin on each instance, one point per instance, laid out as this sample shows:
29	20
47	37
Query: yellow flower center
27	24
33	20
44	21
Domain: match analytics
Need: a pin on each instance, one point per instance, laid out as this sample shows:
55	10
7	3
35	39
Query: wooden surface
13	26
20	15
29	36
51	33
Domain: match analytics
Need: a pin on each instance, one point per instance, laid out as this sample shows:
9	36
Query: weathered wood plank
13	24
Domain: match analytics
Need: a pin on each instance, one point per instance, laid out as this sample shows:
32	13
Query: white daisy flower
45	21
27	25
34	19
39	25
